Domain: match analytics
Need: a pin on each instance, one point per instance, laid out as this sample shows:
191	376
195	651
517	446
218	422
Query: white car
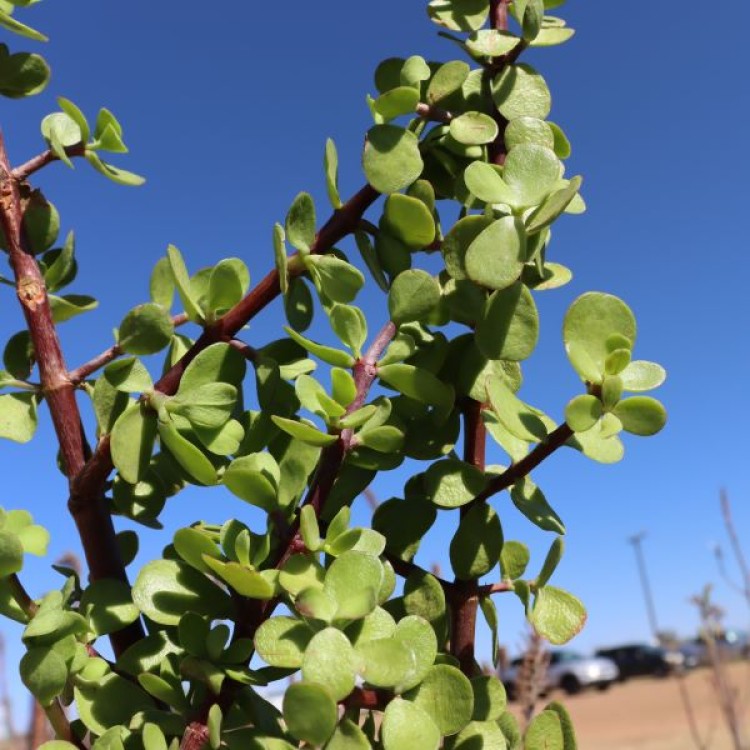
568	671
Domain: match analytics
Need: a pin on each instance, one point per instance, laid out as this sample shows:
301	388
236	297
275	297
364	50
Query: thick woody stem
465	599
90	513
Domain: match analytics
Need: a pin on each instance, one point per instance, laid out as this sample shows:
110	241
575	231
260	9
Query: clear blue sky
227	111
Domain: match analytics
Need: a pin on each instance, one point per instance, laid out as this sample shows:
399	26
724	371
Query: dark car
637	659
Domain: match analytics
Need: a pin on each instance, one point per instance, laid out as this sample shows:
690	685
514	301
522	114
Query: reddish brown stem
90	513
522	468
42	160
87	369
464	600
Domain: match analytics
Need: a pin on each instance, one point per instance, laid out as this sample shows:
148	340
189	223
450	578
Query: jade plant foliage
462	164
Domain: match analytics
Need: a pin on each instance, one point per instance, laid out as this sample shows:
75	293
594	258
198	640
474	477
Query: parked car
569	671
636	659
732	644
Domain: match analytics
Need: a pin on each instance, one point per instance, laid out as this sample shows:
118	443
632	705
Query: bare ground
649	714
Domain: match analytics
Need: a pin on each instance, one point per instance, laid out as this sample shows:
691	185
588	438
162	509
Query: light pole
636	541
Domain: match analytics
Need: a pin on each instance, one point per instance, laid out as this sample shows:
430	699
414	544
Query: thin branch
22	173
495	588
21	596
250	353
726	511
83	371
91	514
527	464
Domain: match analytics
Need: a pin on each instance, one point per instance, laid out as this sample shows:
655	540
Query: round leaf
447	696
281	641
557	615
583	412
310	712
166	589
519	91
475	548
413	296
146	329
408	220
391	158
452	483
406	726
473	129
496	257
641	415
509	327
330	660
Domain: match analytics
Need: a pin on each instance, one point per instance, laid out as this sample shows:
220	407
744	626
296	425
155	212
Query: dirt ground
649	714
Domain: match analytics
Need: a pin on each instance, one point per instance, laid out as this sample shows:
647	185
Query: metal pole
636	541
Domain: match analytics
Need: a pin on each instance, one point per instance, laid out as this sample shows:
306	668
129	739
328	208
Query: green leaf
255	479
310	712
531	173
243	579
227	284
641	375
300	223
128	375
282	641
447	696
447	81
485	181
459	15
165	589
132	442
331	661
583	412
161	284
75	114
513	559
473	129
476	545
509	327
348	736
44	673
554	555
354	580
407	726
11	553
491	43
641	415
191	544
184	287
553	206
530	500
396	102
409	220
18	416
109	700
520	91
413	296
391	158
21	74
518	418
552	36
108	606
218	362
544	733
70	305
338	280
459	239
451	483
496	257
424	597
529	130
298	304
61	265
350	325
146	329
117	175
304	431
557	615
569	735
589	323
418	634
61	131
490	699
419	384
187	454
332	168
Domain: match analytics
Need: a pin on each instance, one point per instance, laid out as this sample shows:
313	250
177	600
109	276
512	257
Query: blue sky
226	113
